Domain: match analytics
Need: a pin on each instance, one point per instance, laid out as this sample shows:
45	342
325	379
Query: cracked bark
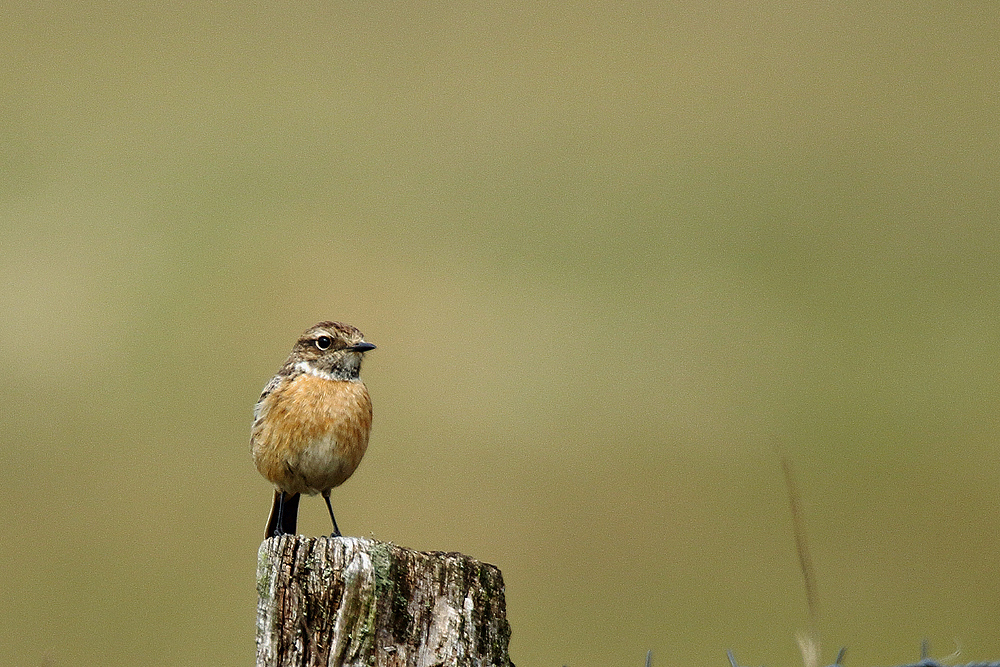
352	601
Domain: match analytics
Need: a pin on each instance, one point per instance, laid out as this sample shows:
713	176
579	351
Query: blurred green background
611	254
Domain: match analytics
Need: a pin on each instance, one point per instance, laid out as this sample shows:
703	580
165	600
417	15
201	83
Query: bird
312	421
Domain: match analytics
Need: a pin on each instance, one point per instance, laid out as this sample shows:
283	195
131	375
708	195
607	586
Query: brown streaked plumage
312	421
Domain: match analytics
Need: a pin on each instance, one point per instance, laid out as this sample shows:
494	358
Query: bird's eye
324	342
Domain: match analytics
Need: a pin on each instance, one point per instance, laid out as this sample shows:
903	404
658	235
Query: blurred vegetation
609	252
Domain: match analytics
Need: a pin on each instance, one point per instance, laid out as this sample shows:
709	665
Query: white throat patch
309	369
351	364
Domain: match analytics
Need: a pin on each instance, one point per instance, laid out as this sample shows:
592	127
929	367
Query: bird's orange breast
311	433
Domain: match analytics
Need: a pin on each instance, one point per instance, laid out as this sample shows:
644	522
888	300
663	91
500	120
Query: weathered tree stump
351	601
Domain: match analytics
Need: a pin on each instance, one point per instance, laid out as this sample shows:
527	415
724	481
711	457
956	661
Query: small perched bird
311	423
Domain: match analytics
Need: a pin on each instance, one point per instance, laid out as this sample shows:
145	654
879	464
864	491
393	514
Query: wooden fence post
349	601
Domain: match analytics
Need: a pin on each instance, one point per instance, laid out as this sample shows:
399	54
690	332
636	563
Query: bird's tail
284	513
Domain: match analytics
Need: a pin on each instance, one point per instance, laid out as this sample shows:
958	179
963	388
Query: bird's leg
326	497
284	515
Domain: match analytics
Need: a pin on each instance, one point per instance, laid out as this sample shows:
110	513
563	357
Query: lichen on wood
353	601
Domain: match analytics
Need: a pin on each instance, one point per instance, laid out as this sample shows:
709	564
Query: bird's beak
363	346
